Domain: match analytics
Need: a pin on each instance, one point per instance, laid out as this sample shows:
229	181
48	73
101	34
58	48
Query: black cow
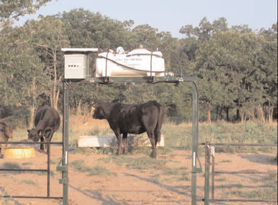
6	132
132	118
47	121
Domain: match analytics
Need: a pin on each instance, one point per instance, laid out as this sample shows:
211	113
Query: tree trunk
227	114
209	116
242	116
270	114
237	114
54	96
78	109
33	103
261	113
32	114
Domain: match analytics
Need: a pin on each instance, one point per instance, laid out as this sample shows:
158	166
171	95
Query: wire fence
210	173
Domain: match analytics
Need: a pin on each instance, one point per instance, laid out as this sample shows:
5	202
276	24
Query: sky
171	15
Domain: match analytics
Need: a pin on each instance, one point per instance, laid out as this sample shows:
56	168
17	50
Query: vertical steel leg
194	144
65	143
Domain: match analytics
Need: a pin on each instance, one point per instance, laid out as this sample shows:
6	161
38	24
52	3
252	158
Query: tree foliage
236	67
10	10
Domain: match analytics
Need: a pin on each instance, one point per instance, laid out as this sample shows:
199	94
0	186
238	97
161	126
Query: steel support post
194	143
64	167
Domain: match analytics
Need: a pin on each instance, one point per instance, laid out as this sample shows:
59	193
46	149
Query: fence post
207	164
212	150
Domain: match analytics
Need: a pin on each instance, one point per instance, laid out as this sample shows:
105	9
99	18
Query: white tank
137	63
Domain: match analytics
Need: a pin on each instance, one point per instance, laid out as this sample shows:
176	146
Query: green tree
87	29
227	62
24	80
48	37
10	10
145	35
266	62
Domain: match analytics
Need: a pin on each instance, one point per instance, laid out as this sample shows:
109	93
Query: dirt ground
128	185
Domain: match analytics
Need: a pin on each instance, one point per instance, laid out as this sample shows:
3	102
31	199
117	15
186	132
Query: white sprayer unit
137	63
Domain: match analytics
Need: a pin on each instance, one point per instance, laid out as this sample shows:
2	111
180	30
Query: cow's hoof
153	155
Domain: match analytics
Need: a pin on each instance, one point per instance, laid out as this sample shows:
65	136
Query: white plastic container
138	63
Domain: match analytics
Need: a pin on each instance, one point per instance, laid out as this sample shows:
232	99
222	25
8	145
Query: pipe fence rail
210	152
47	170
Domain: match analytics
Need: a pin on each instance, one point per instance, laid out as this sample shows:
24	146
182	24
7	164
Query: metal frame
63	165
151	80
47	170
208	154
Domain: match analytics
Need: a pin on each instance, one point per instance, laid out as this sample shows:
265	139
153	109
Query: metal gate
62	165
47	170
64	162
210	153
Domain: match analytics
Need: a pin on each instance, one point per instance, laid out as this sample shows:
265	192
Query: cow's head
34	135
99	112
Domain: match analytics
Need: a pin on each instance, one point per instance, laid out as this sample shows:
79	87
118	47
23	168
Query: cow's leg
157	136
48	137
42	145
153	143
125	142
119	139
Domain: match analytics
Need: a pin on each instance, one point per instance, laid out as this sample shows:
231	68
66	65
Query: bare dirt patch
167	182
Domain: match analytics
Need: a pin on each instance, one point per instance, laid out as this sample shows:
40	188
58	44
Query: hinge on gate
63	181
197	170
62	168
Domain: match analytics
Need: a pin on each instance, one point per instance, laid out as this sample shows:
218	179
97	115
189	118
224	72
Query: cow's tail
159	121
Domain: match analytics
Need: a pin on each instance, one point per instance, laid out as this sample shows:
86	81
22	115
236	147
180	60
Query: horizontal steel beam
167	79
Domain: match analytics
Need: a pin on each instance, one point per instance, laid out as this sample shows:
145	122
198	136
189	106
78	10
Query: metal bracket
63	181
197	170
62	168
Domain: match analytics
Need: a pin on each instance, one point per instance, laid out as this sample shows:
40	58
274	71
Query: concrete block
111	140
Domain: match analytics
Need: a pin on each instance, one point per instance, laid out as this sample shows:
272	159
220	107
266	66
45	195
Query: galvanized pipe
65	142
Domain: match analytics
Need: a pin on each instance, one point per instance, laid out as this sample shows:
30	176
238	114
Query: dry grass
176	135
